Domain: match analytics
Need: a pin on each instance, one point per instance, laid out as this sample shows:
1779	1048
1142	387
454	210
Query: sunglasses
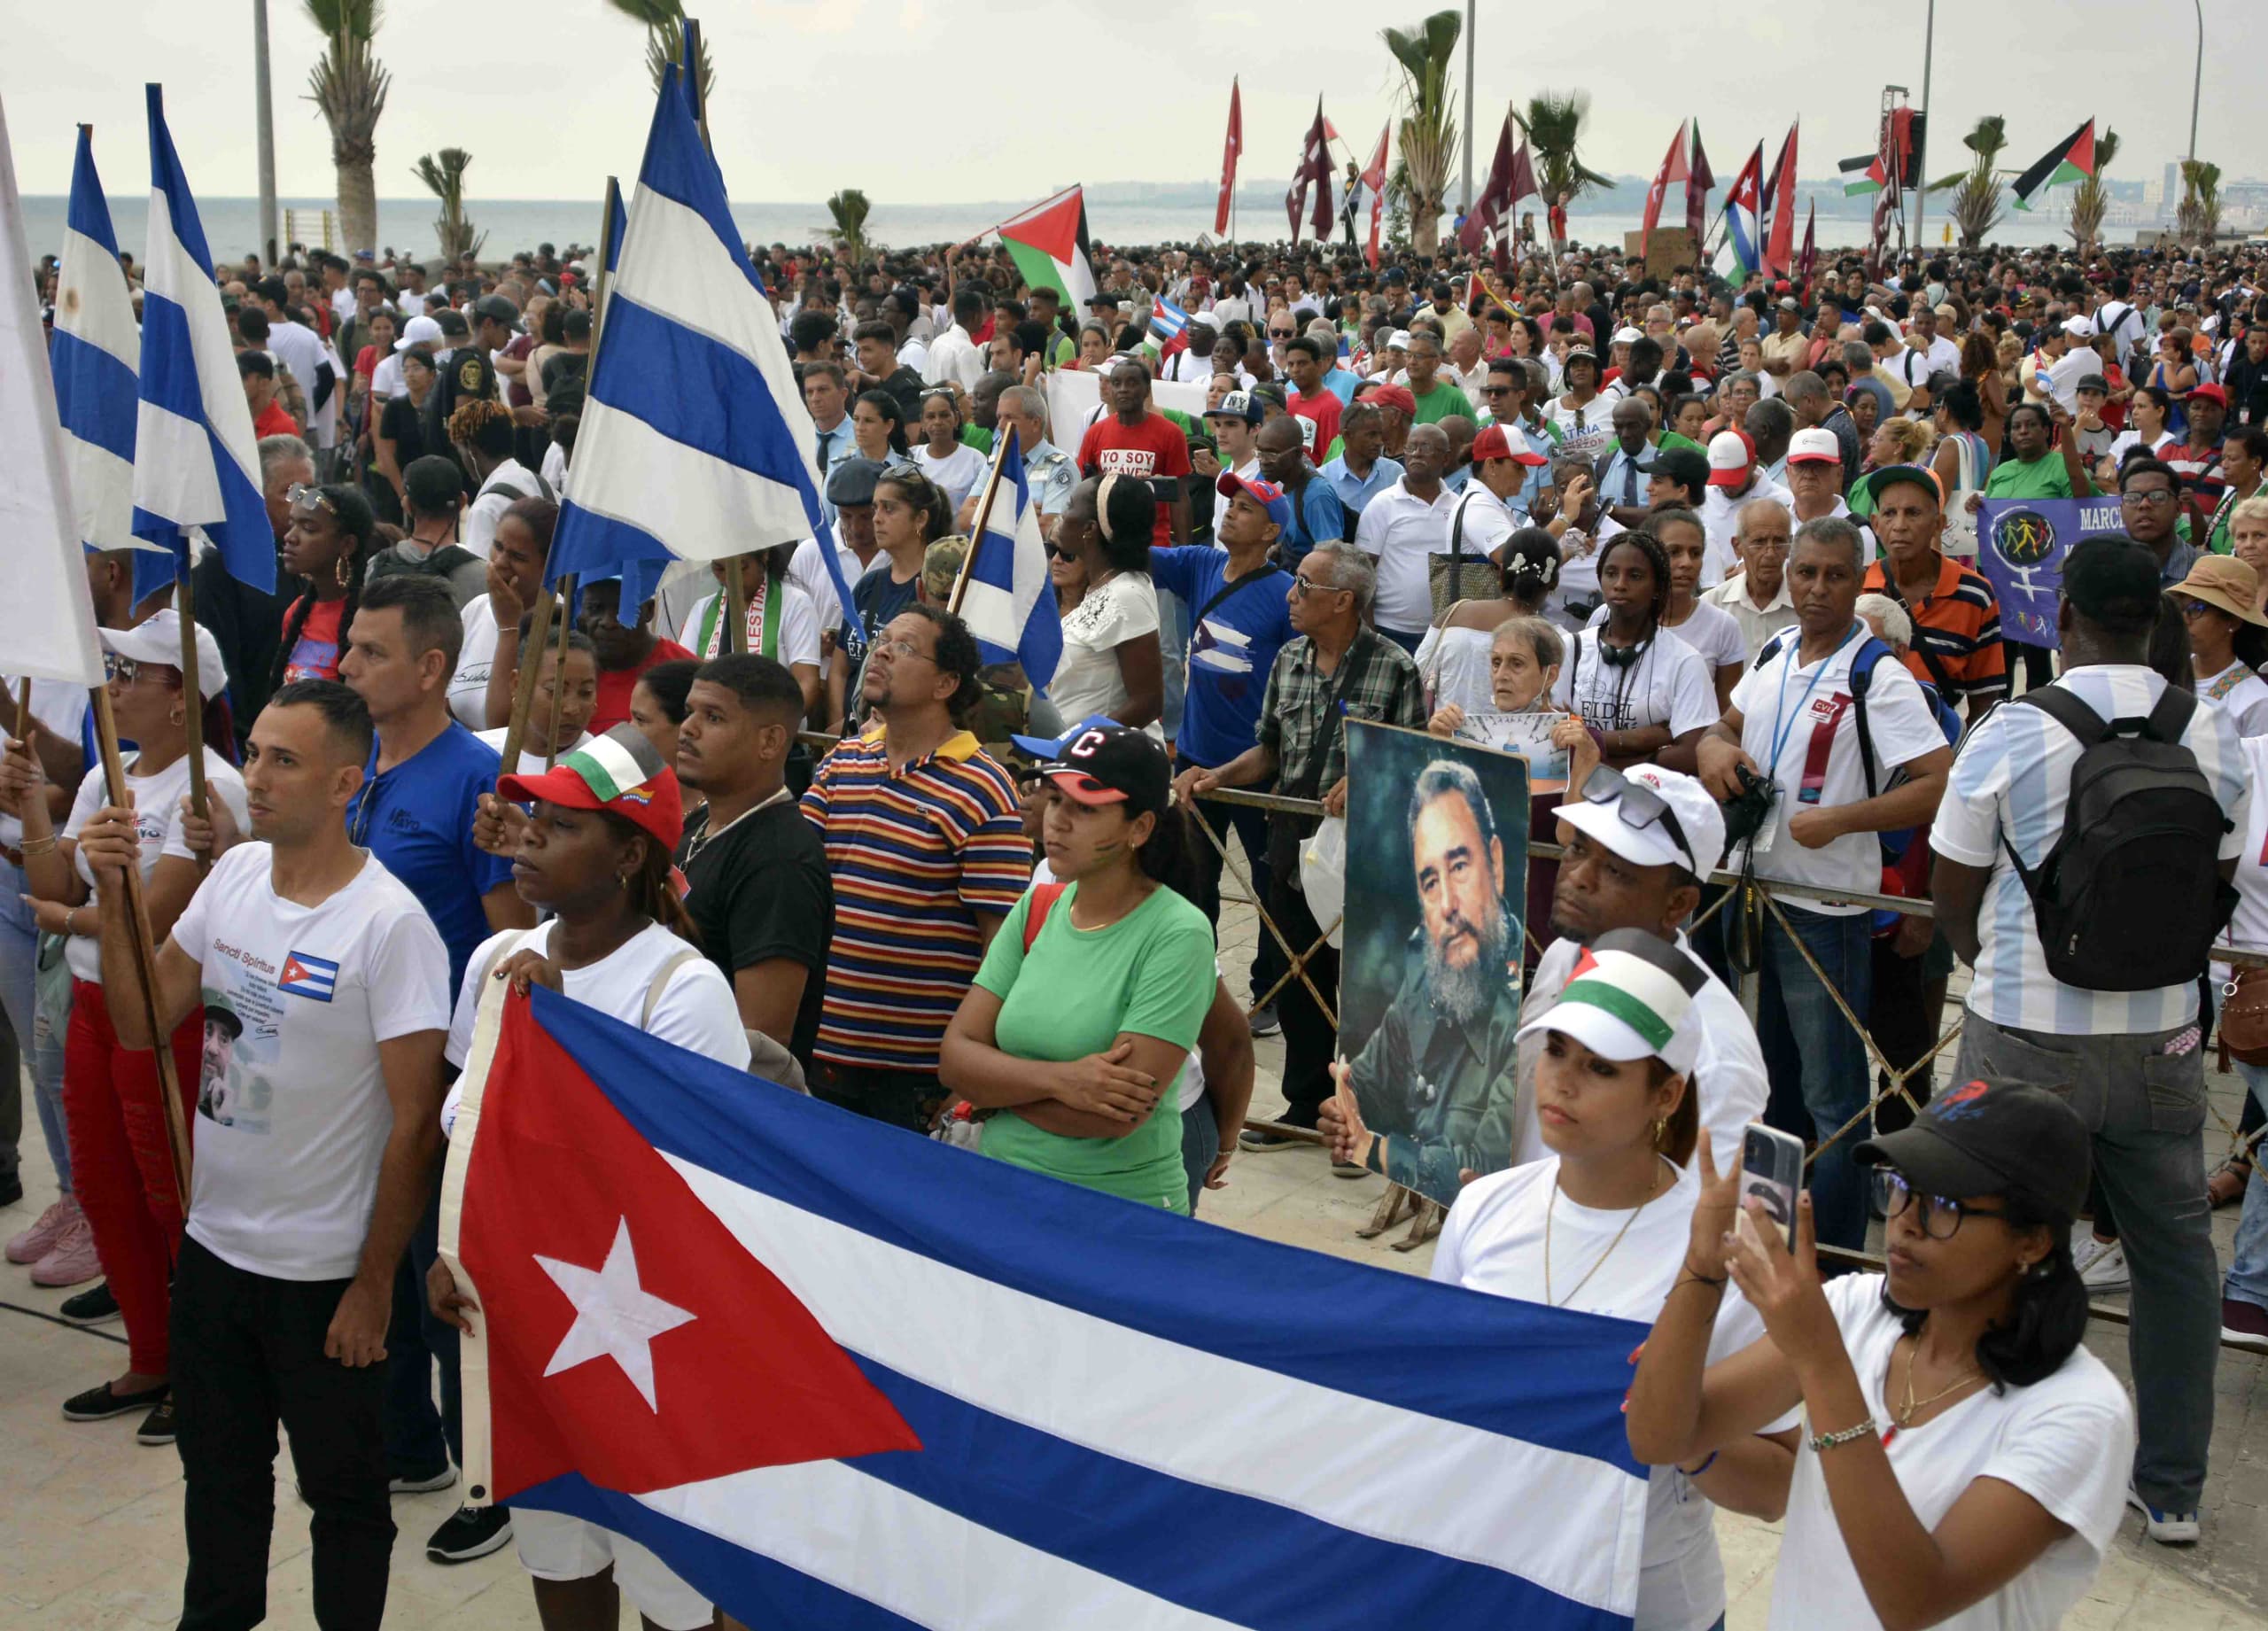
300	493
127	670
1940	1218
1638	805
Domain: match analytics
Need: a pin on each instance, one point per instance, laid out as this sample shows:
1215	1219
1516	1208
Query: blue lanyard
1781	725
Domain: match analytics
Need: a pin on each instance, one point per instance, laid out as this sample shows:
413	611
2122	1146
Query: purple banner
2020	549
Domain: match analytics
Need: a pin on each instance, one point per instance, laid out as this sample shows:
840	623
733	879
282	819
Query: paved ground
90	1522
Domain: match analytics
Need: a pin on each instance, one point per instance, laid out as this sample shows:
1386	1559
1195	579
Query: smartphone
1772	1169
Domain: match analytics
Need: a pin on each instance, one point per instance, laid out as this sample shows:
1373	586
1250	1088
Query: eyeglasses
1305	586
2149	495
1940	1218
300	493
2191	610
1638	805
901	648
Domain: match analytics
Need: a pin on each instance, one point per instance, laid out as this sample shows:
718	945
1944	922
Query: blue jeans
1173	651
25	1036
418	1437
1805	1039
2248	1276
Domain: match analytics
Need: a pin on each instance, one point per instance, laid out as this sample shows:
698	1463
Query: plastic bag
1323	875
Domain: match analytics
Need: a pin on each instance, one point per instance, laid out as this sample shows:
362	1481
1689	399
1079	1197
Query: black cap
2112	581
451	322
1992	1138
497	306
852	481
433	482
1111	765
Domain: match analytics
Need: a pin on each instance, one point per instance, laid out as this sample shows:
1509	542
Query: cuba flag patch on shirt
308	977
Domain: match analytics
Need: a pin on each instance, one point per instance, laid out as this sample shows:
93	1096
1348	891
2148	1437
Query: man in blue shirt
1338	379
1360	470
415	813
1240	616
1318	516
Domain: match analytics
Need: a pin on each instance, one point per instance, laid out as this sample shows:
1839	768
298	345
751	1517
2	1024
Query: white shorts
554	1546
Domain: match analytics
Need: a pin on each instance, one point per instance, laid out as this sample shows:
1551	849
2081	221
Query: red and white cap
1731	456
1814	447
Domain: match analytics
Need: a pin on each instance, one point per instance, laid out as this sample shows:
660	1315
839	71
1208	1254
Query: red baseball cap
2211	394
1492	443
1393	396
620	772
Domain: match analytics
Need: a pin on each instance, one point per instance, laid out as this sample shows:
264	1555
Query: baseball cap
2112	580
1731	456
2078	328
157	638
497	307
1238	405
852	481
1992	1138
2095	381
418	331
451	323
1888	476
1579	353
1628	336
2211	394
1393	396
1492	443
1047	749
1789	303
1114	763
1814	447
1630	996
619	771
1267	494
1399	341
1651	817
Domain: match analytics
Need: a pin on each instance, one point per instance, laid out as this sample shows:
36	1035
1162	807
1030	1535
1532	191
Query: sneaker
1264	1138
71	1261
100	1402
421	1483
94	1306
2166	1528
1264	1023
2244	1324
2101	1265
472	1532
37	1241
156	1428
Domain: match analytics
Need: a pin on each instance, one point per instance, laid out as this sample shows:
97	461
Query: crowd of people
1716	546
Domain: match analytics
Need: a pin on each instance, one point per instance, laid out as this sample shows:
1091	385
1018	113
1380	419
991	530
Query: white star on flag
614	1316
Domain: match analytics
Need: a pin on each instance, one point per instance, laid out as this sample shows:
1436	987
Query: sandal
2225	1187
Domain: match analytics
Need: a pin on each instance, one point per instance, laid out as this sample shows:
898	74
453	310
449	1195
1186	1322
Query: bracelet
1826	1441
1709	1461
38	846
1691	1273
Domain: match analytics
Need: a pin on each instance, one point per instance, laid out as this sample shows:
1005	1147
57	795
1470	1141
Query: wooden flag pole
23	731
515	729
193	699
145	958
558	669
983	515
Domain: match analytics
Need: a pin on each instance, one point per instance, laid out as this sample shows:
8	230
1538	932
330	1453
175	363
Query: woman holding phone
1600	1223
1965	1459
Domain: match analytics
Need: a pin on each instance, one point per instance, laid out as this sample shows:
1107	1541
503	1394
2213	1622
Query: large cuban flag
1009	600
97	342
835	1375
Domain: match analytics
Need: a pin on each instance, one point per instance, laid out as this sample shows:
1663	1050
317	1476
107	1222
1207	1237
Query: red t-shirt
273	420
1318	416
616	684
314	655
1153	450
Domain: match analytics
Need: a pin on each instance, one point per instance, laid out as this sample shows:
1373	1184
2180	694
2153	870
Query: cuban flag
95	345
303	976
1739	254
1168	330
1007	599
837	1376
695	442
195	461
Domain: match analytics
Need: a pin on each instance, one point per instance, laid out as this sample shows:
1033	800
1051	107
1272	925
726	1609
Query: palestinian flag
1048	243
1861	175
2070	159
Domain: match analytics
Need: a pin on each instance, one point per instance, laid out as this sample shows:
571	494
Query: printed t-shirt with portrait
314	655
1665	683
1153	451
1710	631
1799	724
292	1112
157	824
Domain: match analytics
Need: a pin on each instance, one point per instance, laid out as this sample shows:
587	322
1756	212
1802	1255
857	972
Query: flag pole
145	942
185	597
22	732
983	515
735	585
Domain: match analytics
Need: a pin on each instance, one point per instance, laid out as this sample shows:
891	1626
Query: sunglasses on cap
1637	804
301	492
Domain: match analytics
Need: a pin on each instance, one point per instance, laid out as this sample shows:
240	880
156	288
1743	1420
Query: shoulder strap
1044	897
1229	586
1771	650
1870	652
660	983
1456	543
2074	715
2170	719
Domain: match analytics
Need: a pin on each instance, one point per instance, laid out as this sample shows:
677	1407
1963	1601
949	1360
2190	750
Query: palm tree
848	210
443	174
2200	215
1976	192
2090	197
663	21
1553	125
350	88
1427	54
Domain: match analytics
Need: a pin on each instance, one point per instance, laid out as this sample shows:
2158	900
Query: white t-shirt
1712	633
476	661
1667	685
798	627
1454	663
292	1112
2127	439
808	572
1487	523
386	382
1719	516
1799	724
2066	1442
2241	693
1250	471
157	822
507	485
1584	431
958	472
1087	679
697	1010
531	758
300	349
61	708
1493	1241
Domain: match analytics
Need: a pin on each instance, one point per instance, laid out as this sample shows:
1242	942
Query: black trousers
247	1355
1310	1039
1250	826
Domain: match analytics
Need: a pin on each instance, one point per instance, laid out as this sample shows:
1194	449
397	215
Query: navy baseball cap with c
1111	764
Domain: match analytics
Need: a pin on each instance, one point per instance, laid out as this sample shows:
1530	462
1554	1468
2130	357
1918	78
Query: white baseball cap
1643	837
1399	341
1814	446
2079	328
1630	996
1628	336
418	331
157	638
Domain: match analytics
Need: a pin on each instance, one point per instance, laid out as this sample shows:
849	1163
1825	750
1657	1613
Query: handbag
2244	1016
1455	577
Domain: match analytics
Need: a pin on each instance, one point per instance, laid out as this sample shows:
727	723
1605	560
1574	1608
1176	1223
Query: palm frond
1990	135
1553	123
1427	128
650	13
357	19
443	175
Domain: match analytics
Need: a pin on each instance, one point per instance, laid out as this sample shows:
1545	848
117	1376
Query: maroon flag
1807	262
1373	182
1234	145
1698	181
1314	171
1496	200
1523	184
1780	239
1673	170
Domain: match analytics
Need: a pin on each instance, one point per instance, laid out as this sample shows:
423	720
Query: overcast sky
815	95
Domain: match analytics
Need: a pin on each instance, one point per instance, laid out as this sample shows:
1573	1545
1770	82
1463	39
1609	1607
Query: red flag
1229	152
1314	171
1780	240
1673	170
1523	178
1698	181
1807	262
1373	181
1496	200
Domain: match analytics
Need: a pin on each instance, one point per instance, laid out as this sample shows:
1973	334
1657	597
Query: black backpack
2131	896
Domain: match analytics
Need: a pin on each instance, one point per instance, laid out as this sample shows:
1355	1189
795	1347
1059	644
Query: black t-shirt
399	424
459	375
563	366
760	890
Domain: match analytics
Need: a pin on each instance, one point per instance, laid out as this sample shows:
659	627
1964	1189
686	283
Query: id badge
1767	834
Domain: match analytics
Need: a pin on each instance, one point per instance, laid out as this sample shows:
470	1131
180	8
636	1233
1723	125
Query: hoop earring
343	571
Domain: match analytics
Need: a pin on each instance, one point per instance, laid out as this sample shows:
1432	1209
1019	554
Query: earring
343	571
1661	1128
622	880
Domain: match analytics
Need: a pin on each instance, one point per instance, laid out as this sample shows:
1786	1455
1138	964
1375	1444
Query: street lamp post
2197	84
1922	145
1470	9
264	131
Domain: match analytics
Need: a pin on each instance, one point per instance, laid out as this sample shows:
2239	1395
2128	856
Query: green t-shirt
1443	400
2045	478
1151	972
977	437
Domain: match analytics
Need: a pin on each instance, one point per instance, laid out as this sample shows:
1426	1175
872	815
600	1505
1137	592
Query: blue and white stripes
1009	601
93	354
196	462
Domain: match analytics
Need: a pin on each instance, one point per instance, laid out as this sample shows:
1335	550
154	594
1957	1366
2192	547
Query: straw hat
2225	584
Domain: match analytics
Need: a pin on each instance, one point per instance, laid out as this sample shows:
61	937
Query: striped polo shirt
1958	623
915	854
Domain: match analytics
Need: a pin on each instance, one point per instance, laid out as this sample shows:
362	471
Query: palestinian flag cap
1630	996
619	771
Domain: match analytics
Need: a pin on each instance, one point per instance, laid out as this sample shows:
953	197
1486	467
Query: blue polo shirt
1230	650
1343	384
418	819
1317	518
1355	492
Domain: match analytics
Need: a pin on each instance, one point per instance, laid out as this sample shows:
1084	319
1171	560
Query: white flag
47	616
